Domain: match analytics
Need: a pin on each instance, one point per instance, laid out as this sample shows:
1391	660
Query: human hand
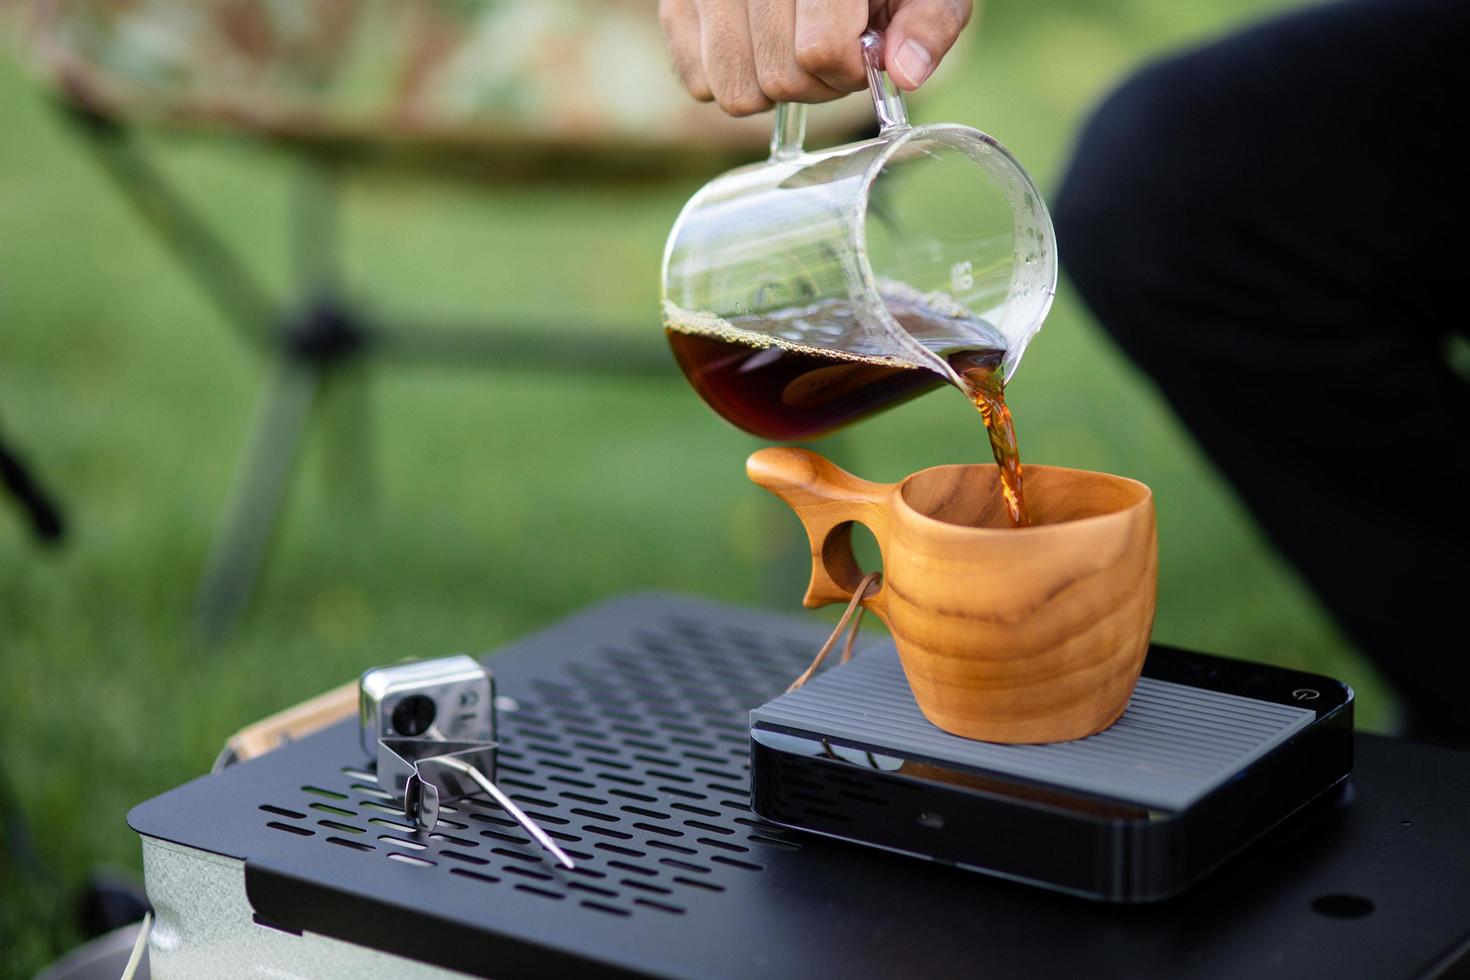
748	55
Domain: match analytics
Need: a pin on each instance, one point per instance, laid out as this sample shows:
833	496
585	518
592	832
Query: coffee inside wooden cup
970	496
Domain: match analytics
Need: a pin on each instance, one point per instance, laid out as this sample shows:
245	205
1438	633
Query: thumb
920	33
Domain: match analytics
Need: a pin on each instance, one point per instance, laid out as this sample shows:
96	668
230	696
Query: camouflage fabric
559	70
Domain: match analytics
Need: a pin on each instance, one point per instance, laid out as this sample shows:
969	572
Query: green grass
501	501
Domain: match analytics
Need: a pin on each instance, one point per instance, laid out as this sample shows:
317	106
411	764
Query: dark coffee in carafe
756	373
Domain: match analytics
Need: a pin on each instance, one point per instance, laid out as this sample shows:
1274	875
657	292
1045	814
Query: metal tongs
433	725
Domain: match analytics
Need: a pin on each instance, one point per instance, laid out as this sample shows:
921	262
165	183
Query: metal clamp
426	772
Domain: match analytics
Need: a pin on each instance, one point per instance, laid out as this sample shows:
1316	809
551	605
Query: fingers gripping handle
827	499
789	132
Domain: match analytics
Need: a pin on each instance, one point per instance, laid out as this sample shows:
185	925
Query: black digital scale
1209	755
625	732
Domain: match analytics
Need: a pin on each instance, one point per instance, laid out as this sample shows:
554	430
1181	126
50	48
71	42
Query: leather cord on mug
854	605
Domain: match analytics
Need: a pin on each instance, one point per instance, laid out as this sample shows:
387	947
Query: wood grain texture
1009	635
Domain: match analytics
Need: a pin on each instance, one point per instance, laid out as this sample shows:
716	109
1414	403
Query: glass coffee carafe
806	292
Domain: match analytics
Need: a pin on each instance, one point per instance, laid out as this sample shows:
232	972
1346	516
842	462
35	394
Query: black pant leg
1272	227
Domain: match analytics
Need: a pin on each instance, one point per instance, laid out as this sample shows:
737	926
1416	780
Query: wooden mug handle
827	499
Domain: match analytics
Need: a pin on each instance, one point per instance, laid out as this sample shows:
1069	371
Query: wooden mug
1033	634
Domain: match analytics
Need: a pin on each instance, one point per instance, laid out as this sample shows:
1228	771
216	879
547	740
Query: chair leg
315	229
331	331
214	266
41	511
244	536
348	452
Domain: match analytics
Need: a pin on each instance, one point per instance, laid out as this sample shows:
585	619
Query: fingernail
913	62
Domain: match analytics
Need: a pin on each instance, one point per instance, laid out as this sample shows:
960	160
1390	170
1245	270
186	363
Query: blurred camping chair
419	86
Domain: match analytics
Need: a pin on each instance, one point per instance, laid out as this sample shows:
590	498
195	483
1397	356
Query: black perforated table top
629	744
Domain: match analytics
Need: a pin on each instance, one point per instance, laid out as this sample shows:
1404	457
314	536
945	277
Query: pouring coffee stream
987	390
810	291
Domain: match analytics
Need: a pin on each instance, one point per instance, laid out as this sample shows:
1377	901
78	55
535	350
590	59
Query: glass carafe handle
888	105
887	97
